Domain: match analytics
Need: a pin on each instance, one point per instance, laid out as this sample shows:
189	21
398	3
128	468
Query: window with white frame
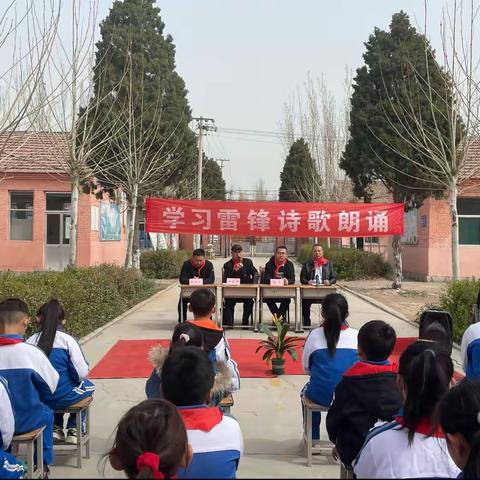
21	215
469	221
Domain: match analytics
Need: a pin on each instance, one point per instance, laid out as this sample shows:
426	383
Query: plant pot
278	366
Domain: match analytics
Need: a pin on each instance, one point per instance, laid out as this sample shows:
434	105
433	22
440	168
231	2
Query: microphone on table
317	280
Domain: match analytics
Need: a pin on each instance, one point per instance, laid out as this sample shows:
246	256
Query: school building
35	209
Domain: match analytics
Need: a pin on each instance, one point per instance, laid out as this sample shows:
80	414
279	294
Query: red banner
274	219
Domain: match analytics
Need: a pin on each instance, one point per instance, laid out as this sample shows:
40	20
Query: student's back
471	351
329	350
412	446
31	379
68	360
367	392
216	439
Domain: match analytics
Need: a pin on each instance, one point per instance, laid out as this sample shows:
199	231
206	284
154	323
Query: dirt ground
409	300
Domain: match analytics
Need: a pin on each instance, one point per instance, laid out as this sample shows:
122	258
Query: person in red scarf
279	266
242	268
317	271
196	267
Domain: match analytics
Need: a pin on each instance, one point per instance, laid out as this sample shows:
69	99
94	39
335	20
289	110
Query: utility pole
221	161
203	125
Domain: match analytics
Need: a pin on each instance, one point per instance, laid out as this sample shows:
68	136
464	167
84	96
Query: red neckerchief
206	322
198	269
278	266
425	427
10	341
203	419
344	326
364	368
320	262
237	264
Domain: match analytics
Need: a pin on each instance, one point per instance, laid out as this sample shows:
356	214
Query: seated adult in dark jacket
196	267
367	392
317	271
242	268
279	267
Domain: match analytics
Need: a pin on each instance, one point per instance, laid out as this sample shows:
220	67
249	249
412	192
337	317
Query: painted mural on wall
110	222
410	231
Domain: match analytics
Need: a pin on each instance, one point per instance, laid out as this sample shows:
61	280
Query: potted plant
277	345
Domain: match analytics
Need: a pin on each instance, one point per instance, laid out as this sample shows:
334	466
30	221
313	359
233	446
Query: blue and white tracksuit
10	467
68	360
32	381
386	453
471	351
326	371
216	441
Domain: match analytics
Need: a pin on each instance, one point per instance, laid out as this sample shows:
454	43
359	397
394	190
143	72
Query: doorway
57	228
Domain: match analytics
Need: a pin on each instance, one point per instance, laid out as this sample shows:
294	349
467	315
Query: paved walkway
268	409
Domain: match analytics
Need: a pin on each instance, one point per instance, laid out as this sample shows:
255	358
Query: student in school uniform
10	467
413	445
66	356
30	375
196	267
470	351
216	439
328	352
367	392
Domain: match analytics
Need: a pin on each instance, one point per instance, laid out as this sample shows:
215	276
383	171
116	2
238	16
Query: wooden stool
82	438
309	408
226	403
29	439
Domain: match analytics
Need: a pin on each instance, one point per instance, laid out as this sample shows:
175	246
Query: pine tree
213	184
378	150
300	181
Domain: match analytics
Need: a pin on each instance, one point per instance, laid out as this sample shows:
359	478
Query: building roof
33	152
471	167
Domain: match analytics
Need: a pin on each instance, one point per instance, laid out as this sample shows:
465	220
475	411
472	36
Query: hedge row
351	263
163	263
458	300
91	296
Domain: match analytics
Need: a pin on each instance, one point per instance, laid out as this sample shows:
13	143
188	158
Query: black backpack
437	326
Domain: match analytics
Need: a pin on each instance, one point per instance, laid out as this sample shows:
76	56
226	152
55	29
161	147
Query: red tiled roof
471	167
33	152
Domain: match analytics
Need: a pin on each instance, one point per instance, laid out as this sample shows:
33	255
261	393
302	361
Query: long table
260	292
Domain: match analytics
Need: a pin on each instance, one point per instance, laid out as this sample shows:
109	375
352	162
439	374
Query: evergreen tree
133	45
300	181
213	184
379	149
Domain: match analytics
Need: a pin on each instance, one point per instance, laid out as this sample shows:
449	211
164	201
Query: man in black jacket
279	266
196	267
367	392
242	268
317	271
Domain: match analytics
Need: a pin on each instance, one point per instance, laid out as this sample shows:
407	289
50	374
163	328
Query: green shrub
458	300
163	263
91	296
351	263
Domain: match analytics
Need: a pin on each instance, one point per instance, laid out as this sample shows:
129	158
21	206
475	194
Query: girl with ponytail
413	446
329	351
67	358
151	441
460	420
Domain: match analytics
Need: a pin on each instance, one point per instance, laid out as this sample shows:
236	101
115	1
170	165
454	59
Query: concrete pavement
268	409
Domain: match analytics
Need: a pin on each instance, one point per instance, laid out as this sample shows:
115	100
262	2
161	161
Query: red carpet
129	359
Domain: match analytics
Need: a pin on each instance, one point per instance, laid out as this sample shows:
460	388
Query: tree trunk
132	210
397	262
74	200
454	215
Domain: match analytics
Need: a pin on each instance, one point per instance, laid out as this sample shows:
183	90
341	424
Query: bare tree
71	110
456	103
137	164
314	112
27	33
261	194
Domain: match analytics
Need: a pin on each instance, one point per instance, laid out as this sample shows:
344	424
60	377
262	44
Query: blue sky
242	59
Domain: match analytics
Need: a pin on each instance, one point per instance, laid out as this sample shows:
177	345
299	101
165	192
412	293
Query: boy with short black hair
367	392
29	374
216	439
202	305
